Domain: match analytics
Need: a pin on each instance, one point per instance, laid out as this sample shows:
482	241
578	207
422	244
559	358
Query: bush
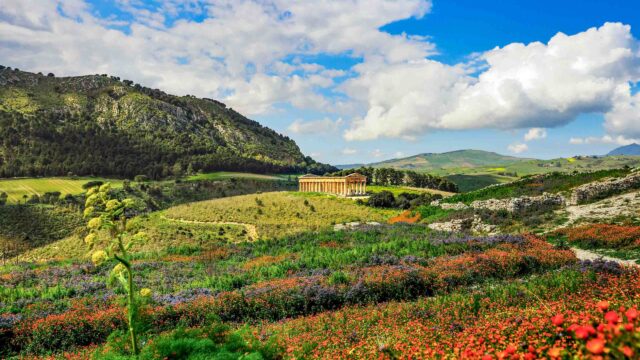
141	178
91	184
383	199
215	341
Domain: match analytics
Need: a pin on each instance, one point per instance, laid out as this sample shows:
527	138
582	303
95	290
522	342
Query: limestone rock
601	189
523	204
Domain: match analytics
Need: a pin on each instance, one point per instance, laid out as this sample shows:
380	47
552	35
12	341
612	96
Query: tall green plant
110	215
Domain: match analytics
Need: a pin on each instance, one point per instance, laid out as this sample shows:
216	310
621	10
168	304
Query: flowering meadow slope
260	281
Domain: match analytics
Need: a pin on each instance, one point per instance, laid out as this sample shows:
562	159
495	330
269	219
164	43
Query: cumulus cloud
535	134
239	51
315	127
519	86
518	148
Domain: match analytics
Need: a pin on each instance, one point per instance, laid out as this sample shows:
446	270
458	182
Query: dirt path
589	255
252	231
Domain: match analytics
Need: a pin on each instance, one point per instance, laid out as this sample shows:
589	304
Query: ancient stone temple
350	185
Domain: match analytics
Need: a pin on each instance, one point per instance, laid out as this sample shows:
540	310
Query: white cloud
535	134
377	153
518	148
315	127
398	154
606	139
238	53
519	86
349	151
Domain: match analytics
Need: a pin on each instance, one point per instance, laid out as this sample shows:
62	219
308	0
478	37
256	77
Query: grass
17	188
472	182
222	175
281	213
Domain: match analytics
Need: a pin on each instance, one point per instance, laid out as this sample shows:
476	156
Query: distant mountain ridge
101	125
628	150
448	160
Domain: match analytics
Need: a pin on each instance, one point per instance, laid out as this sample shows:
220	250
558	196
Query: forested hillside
101	125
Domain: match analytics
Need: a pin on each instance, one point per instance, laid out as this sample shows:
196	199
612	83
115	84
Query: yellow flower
92	191
146	292
119	269
128	203
94	223
99	257
90	239
88	211
92	200
106	187
112	204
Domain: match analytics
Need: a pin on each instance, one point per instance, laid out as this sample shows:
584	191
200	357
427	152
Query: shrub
141	178
603	235
383	199
90	184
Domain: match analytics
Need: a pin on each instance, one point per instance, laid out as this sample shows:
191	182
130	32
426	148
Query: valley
248	260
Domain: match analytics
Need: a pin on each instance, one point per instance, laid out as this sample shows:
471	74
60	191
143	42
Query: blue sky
362	81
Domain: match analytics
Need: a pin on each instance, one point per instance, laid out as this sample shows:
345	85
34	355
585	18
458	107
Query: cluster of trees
390	176
386	199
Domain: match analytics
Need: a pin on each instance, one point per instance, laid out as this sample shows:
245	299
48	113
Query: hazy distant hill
629	150
475	169
100	125
448	160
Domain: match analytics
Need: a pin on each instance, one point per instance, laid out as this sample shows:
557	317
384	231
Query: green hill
475	169
449	160
100	125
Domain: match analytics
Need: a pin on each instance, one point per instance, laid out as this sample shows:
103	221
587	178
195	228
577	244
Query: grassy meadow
19	187
281	213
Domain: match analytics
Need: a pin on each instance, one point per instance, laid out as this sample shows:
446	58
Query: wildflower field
388	288
53	307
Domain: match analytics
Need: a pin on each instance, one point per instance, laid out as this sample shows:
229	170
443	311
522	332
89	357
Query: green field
18	188
279	214
397	190
222	175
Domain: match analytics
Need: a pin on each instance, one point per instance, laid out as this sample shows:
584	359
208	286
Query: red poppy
557	320
603	305
595	346
612	317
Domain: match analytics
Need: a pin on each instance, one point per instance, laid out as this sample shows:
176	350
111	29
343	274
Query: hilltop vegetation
100	125
394	177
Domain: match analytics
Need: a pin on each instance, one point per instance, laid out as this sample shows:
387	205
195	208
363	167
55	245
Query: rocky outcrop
473	224
524	204
602	189
447	206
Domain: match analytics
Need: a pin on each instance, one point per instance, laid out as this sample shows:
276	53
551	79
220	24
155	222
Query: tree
110	214
383	199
